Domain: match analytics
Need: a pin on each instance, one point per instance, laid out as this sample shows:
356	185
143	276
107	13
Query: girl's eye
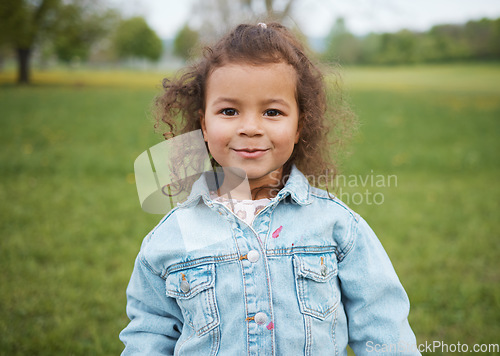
272	112
228	112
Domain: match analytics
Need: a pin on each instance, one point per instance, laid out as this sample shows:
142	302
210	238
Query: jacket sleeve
155	319
375	302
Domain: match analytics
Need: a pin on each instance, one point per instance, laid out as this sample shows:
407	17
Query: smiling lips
250	152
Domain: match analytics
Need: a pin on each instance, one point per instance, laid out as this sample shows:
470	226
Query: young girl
288	269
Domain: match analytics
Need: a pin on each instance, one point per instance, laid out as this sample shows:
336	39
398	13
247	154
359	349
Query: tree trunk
23	61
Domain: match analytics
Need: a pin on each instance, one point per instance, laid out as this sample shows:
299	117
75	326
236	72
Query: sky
316	17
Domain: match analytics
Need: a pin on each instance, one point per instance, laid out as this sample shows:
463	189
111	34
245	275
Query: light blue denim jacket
308	277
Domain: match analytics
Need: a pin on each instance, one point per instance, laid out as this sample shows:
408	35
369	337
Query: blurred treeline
477	40
473	41
93	31
71	32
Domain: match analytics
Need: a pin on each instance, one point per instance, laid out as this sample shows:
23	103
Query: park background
74	119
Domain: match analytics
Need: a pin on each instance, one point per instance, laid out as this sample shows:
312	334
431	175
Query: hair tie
261	24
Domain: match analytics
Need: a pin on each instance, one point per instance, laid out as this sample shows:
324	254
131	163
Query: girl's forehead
284	69
251	83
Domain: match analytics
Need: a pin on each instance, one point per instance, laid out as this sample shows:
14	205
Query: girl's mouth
250	153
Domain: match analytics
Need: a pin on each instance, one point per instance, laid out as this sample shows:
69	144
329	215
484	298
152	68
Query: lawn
423	171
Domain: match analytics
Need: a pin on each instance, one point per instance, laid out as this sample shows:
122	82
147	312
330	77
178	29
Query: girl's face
251	119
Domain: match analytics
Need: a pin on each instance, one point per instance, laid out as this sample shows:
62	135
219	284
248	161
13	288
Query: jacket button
253	256
260	318
185	286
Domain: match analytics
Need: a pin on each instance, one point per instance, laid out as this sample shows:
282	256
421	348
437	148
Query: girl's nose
250	125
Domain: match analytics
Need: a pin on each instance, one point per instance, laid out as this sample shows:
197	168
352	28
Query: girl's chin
254	174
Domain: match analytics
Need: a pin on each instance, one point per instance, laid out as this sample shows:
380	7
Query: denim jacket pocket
193	288
315	281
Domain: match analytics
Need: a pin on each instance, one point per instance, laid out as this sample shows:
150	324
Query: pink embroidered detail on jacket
277	232
270	326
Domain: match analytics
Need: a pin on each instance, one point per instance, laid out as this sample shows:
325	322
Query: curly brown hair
184	97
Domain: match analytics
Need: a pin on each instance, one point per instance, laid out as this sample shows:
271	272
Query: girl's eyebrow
225	100
276	101
264	102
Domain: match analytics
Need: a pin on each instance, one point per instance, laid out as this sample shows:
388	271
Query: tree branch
269	7
288	8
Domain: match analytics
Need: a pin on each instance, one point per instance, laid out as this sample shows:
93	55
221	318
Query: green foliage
71	224
398	48
342	45
447	43
483	37
22	22
78	29
185	42
135	39
70	28
476	40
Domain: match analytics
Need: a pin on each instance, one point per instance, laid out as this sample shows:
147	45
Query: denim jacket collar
296	186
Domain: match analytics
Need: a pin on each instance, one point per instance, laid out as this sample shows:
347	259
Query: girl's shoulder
330	200
189	229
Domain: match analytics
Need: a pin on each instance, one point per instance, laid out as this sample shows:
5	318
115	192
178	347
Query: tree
448	43
21	24
475	40
216	16
185	42
399	47
342	45
70	26
370	48
480	36
135	39
495	38
81	29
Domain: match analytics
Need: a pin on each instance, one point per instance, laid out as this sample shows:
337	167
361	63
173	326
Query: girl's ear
299	130
297	135
202	124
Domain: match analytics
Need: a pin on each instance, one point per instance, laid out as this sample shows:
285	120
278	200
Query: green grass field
71	223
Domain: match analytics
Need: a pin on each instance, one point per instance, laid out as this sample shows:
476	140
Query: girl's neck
251	189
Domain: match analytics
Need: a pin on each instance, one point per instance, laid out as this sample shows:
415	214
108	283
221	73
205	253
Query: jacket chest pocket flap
316	284
194	290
